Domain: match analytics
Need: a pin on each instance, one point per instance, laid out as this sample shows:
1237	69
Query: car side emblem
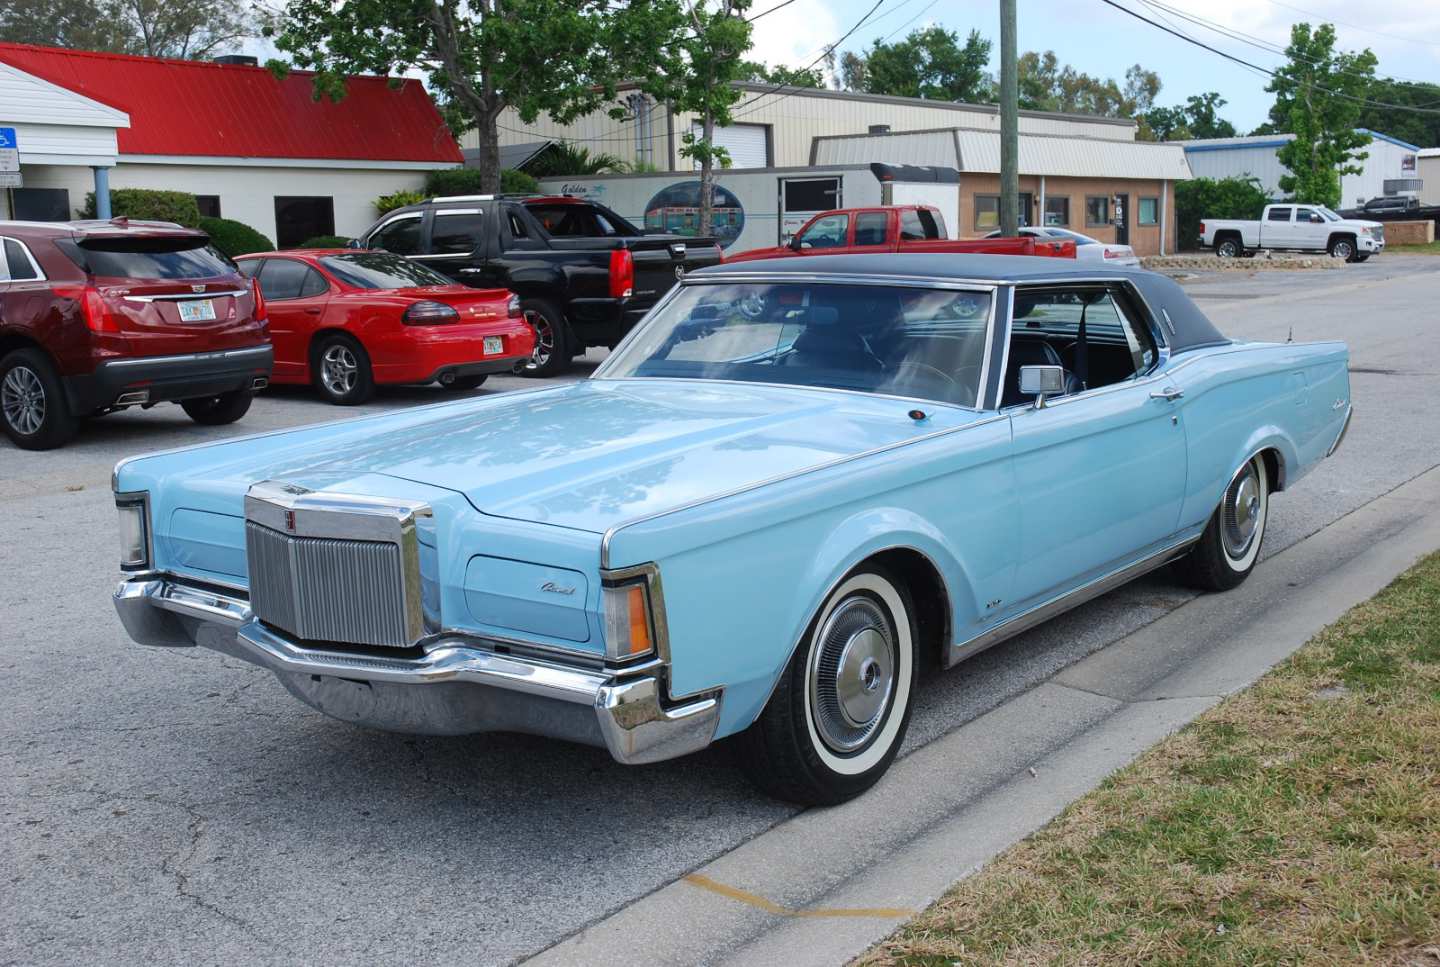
679	271
197	288
290	521
550	587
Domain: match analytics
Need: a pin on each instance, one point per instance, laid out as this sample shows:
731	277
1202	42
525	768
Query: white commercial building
1388	160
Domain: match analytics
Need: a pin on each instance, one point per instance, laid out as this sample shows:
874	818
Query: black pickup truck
584	275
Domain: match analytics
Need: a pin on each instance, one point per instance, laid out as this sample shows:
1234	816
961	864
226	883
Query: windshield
891	340
1327	214
1066	233
381	270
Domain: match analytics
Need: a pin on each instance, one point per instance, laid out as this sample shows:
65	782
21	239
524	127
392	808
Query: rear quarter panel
1245	397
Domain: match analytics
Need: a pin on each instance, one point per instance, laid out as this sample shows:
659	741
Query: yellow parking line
750	899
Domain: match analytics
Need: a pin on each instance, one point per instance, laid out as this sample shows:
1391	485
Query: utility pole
1009	124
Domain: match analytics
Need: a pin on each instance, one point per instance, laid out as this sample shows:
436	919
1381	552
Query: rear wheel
551	356
341	370
33	408
1229	247
837	717
218	410
1230	545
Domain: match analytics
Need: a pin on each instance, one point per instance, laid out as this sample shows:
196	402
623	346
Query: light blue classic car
791	484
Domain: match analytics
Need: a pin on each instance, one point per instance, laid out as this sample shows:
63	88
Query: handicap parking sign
7	139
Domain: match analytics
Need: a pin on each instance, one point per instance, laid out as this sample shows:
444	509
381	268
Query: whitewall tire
1230	544
838	715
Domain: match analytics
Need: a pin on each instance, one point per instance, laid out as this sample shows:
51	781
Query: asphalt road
168	807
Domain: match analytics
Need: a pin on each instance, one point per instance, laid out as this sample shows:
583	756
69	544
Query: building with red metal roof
251	146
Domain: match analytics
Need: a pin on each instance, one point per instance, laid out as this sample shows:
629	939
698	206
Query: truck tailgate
661	261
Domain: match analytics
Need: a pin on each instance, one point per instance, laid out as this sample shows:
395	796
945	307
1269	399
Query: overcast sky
1098	39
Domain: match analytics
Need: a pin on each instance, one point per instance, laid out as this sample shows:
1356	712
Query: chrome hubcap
22	398
853	674
544	339
1343	250
1241	516
339	370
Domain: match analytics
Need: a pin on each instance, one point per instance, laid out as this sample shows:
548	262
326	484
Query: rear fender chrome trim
1043	612
1344	429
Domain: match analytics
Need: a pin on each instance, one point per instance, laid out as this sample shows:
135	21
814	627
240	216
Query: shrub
149	204
325	241
466	181
571	159
1203	198
398	199
514	182
234	238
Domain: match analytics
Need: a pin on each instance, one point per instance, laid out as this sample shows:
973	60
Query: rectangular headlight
134	532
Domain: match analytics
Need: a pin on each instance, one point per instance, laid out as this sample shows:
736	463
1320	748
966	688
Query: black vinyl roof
1184	325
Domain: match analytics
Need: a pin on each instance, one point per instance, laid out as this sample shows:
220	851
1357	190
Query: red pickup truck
897	228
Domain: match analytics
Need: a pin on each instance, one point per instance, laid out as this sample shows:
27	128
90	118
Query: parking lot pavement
180	806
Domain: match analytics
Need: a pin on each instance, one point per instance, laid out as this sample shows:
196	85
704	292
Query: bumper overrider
458	685
354	581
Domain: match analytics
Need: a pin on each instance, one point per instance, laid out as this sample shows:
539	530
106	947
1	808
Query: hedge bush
234	238
518	182
324	241
466	181
398	199
149	204
1203	198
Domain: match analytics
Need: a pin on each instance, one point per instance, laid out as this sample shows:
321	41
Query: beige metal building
1081	172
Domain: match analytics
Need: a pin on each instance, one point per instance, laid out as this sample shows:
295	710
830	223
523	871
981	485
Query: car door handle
1168	393
312	311
470	271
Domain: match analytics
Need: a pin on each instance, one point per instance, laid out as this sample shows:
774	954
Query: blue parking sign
7	139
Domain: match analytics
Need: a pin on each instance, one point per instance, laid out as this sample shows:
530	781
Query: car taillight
1202	228
512	308
429	313
93	308
622	273
1113	253
261	314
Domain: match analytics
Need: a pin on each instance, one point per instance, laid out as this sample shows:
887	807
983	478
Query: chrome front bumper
458	686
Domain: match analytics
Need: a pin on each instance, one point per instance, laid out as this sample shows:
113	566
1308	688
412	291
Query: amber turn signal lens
627	621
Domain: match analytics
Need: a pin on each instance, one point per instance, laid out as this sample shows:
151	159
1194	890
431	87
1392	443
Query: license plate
197	310
494	345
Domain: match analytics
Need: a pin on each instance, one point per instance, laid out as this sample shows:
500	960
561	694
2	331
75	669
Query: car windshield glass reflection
915	343
381	270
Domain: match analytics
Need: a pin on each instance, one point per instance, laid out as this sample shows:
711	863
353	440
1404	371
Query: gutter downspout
1164	213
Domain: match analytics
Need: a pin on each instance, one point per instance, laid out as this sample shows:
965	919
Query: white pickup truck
1301	228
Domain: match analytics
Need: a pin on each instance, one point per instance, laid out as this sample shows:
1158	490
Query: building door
1122	219
748	144
801	199
1025	211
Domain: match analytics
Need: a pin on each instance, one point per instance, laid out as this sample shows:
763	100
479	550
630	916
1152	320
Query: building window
987	212
1149	211
209	205
1057	211
40	204
1097	210
301	217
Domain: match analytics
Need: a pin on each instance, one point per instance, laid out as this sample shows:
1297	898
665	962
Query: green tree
1046	85
930	63
1418	127
193	29
693	70
571	159
1198	118
1317	99
1201	198
562	57
779	74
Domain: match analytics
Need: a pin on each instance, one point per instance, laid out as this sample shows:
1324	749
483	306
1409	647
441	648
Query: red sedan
346	320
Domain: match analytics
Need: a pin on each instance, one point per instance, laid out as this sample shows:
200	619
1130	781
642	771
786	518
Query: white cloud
793	35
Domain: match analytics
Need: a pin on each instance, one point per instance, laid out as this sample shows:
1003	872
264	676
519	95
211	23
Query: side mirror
1042	381
795	243
354	243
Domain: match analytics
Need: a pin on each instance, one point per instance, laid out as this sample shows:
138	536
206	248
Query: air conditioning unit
1402	186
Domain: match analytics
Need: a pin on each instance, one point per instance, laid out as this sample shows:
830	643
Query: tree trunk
707	177
487	136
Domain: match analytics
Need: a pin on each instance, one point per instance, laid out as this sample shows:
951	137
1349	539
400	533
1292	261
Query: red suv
100	316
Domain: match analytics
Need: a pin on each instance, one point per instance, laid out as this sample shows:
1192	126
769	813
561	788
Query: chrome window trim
835	278
391	221
1155	375
40	275
610	533
442	212
797	386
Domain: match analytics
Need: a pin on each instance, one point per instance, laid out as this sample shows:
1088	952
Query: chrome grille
330	589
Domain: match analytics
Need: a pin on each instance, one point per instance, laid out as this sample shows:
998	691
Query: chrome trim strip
1344	429
778	478
827	278
39	276
1044	611
862	394
185	296
228	355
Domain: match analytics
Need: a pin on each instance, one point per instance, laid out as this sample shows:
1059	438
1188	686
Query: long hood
596	453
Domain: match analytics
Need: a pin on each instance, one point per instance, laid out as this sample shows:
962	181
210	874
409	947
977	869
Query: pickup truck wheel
33	408
552	340
218	410
839	713
1229	248
340	370
1230	545
1343	247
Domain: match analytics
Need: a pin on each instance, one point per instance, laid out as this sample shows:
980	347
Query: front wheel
838	715
218	410
1230	545
1342	248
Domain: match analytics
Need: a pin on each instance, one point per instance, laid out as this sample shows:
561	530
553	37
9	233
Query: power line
770	10
1265	70
1368	30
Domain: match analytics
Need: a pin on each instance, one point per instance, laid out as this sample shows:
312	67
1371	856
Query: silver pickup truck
1300	228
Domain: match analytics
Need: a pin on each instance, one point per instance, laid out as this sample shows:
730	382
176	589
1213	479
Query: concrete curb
823	886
